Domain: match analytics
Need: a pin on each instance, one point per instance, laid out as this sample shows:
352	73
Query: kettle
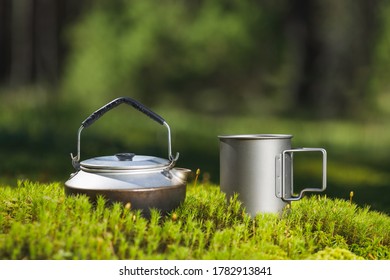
146	182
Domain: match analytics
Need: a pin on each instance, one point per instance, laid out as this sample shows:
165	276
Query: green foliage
189	49
338	223
208	55
381	57
334	254
37	221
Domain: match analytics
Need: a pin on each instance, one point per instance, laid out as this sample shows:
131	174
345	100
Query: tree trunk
46	42
335	41
31	48
22	25
5	37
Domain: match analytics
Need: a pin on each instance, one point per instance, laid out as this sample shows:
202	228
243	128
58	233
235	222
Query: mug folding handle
284	174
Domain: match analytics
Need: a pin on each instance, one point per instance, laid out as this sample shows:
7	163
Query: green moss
334	254
37	221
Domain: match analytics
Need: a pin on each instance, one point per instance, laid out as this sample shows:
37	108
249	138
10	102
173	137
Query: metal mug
259	167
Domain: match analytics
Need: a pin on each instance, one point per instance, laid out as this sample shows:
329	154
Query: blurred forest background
314	69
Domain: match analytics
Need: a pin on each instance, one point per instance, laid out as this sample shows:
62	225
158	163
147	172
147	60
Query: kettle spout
181	173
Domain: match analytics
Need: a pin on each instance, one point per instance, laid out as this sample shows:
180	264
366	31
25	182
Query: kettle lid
124	161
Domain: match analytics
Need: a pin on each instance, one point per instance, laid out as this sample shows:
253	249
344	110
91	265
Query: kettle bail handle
116	102
111	105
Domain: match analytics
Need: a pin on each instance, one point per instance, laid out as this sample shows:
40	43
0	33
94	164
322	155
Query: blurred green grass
38	133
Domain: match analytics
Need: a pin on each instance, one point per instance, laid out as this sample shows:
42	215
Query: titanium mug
259	168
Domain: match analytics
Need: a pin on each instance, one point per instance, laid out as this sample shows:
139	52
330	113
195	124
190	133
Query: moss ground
37	221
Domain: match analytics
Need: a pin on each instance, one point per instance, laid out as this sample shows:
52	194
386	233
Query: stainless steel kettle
143	181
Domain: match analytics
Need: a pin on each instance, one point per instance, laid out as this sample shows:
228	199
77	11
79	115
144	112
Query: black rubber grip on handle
116	102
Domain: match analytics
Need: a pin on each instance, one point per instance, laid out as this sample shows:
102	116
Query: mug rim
256	136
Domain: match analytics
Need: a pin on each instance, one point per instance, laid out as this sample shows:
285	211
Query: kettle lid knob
125	156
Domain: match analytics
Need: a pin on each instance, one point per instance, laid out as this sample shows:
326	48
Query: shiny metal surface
159	189
284	170
249	166
114	163
143	181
